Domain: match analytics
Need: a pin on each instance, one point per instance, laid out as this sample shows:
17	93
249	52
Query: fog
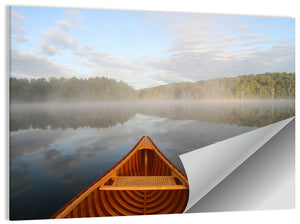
108	114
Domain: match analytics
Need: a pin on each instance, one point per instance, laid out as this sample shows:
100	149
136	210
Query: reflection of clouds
73	158
24	165
63	151
19	181
59	163
195	134
90	151
51	154
34	140
175	137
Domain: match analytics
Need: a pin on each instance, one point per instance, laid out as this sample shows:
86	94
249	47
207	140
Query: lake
56	149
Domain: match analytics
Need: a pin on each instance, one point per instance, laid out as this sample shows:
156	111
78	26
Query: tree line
268	86
74	89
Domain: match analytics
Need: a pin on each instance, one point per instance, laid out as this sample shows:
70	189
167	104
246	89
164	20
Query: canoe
144	182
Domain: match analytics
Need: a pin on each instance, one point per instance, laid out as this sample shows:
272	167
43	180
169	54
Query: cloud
19	38
84	63
212	63
88	52
59	39
257	42
56	39
17	29
168	77
15	16
32	66
283	26
243	27
49	50
188	44
190	29
72	19
64	24
200	55
104	64
243	36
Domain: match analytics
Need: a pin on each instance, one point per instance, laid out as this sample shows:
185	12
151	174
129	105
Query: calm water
56	150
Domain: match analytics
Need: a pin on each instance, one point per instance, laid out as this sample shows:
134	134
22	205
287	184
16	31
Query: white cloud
57	38
88	51
48	49
64	24
212	63
191	29
15	16
167	77
74	17
19	38
243	27
17	29
199	55
243	36
256	42
33	66
84	63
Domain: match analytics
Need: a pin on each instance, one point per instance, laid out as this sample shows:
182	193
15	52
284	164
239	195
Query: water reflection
57	151
101	115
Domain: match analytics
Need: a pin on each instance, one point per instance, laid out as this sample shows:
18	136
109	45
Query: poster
59	146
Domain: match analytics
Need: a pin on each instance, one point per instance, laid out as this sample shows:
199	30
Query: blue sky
147	49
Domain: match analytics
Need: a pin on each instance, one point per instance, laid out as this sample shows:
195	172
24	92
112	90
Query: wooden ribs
143	182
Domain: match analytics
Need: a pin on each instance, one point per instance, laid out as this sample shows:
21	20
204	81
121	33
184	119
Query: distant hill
261	86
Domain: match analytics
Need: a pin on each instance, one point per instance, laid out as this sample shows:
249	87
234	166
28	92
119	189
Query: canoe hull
143	182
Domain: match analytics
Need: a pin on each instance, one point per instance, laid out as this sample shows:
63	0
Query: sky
146	49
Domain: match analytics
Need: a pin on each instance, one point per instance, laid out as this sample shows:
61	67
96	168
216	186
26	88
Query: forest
267	86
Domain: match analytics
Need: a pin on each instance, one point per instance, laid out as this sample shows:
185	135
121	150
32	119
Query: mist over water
103	115
58	149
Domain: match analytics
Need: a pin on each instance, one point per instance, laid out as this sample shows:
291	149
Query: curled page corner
208	166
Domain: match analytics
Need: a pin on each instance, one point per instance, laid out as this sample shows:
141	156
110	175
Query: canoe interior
143	182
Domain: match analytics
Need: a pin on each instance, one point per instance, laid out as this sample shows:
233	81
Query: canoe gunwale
112	172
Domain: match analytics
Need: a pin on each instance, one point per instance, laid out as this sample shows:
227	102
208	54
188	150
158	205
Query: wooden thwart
143	183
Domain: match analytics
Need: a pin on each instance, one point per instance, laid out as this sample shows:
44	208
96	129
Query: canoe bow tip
127	193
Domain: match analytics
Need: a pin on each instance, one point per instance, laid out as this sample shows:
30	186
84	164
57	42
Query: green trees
92	89
268	86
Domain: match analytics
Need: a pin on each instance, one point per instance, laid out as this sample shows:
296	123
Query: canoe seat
143	183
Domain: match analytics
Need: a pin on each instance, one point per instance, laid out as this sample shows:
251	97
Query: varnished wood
143	182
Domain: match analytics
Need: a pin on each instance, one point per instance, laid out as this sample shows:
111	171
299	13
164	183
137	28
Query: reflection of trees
251	113
75	116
